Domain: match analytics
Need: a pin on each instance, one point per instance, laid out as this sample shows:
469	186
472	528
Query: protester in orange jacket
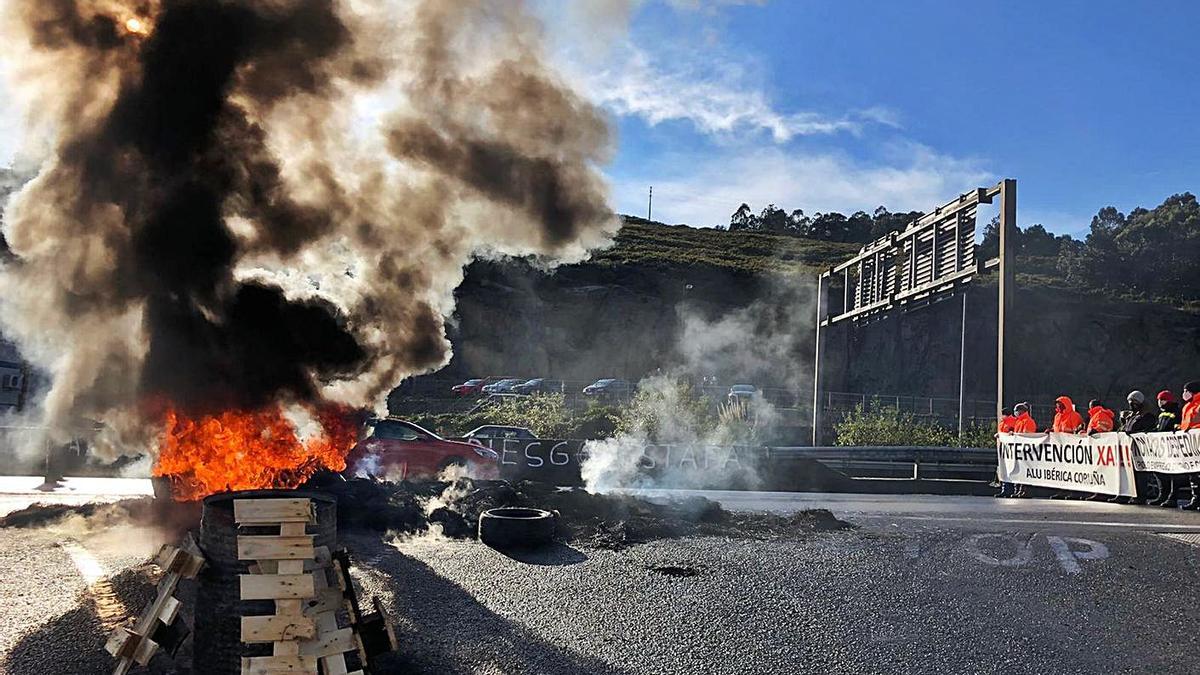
1100	419
1008	420
1006	425
1024	423
1190	417
1189	420
1066	420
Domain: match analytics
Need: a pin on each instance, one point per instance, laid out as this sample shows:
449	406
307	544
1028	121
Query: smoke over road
247	202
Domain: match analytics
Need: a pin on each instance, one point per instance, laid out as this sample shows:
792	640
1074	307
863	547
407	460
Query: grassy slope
653	244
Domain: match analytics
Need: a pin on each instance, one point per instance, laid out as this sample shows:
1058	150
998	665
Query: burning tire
516	527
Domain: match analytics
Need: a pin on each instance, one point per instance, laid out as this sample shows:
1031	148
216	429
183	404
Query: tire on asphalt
513	527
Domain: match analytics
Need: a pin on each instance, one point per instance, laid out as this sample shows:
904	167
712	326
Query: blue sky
852	104
849	104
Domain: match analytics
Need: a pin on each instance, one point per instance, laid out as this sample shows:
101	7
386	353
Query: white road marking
1038	521
1067	557
1024	550
1190	539
91	569
109	608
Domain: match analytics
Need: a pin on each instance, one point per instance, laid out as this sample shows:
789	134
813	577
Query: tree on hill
743	219
859	227
1154	252
1033	240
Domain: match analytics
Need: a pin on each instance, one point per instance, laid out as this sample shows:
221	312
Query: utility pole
650	204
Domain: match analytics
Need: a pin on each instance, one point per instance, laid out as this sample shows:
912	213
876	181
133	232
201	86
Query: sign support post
822	314
1008	227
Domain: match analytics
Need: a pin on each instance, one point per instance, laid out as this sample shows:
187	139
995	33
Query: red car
472	387
400	450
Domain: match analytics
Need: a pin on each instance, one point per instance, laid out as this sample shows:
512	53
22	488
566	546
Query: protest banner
1100	463
1167	452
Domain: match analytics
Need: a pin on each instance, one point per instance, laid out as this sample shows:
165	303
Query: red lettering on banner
1106	456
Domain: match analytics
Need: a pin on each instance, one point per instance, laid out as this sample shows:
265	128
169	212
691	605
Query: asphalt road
924	584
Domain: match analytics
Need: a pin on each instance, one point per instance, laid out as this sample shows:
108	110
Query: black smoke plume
213	226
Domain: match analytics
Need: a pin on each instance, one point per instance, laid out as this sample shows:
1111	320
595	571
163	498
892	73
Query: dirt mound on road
607	520
168	516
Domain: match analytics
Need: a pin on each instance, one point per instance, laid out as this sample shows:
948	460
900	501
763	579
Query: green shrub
594	422
664	409
978	436
738	423
546	415
890	427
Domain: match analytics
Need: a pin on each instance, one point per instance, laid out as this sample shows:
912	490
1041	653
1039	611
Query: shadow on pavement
442	628
73	643
554	555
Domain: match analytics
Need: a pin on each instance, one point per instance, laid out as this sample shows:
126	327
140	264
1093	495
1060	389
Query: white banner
1100	463
1167	452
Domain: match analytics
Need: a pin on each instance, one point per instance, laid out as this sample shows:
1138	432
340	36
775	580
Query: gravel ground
895	597
872	600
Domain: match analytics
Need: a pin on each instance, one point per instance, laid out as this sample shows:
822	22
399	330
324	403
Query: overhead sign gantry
933	257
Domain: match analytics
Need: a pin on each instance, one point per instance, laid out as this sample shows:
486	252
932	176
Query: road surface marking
109	608
1036	521
1191	539
1024	550
1068	557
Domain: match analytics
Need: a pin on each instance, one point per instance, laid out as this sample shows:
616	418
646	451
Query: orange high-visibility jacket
1190	419
1100	419
1067	421
1024	424
1007	424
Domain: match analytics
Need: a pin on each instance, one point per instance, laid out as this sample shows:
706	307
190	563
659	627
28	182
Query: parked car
538	385
472	387
743	393
395	447
502	387
607	388
490	434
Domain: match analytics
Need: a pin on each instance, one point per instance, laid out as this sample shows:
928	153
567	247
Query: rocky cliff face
587	321
583	321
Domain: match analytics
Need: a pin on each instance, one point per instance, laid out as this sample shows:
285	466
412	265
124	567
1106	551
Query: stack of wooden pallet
310	586
157	626
278	573
290	570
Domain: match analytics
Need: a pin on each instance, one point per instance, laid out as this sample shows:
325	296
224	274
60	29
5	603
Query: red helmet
1166	395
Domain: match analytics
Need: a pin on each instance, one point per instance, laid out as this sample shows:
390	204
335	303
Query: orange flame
247	450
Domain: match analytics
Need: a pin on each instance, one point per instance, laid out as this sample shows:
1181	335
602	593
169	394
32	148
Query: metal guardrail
913	462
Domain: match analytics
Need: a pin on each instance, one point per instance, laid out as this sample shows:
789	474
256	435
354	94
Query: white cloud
710	6
911	177
717	96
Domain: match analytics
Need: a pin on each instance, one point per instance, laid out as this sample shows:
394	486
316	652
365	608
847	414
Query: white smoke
673	437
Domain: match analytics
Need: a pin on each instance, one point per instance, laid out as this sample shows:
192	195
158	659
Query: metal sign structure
929	260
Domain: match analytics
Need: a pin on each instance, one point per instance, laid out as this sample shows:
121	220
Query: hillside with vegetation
642	242
1149	254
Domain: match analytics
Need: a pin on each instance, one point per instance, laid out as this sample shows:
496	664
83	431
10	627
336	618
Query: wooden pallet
157	626
290	570
372	631
282	571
